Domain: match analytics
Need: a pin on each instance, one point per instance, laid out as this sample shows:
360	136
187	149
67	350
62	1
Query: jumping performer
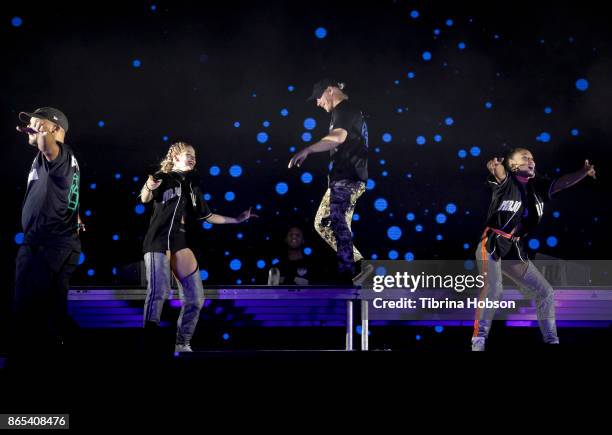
516	208
347	143
169	242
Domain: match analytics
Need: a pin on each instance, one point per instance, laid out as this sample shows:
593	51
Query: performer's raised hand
245	215
589	169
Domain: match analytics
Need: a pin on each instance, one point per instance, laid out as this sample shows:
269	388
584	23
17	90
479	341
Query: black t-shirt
50	208
294	272
514	206
179	196
349	160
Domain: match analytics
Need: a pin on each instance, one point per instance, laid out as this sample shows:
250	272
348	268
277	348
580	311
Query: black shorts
178	240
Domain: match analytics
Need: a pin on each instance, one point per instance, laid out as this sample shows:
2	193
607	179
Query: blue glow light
214	171
410	75
461	46
226	336
356	217
100	124
237	124
394	233
93	186
91	272
466	246
281	188
380	204
165	138
235	171
414	14
534	244
203	274
306	137
117	176
449	22
552	241
81	258
371	184
575	132
235	264
582	84
438	138
387	137
440	218
420	140
206	197
115	237
475	151
449	121
261	264
409	256
462	154
290	88
419	228
451	208
426	56
393	255
468	264
439	329
556	214
439	237
418	337
309	123
544	137
87	213
262	137
230	196
19	238
307	251
136	63
207	225
284	112
306	178
16	21
488	105
320	32
410	216
548	110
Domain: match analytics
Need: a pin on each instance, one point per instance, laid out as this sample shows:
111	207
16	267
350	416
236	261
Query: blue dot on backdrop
306	137
440	218
136	63
81	258
262	137
410	217
235	264
449	22
552	241
88	212
380	204
544	137
475	151
451	208
206	225
411	75
462	154
93	186
387	137
356	216
439	329
91	272
371	184
320	32
426	56
206	197
556	214
461	46
409	256
115	237
290	88
307	251
575	132
117	176
16	21
236	124
548	110
394	233
230	196
488	105
235	171
282	188
466	246
419	228
203	275
261	264
214	171
309	123
393	255
19	238
414	14
438	138
306	177
449	121
420	140
284	112
100	124
534	243
582	84
266	123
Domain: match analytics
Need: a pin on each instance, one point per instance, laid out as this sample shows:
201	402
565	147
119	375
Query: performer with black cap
347	143
51	246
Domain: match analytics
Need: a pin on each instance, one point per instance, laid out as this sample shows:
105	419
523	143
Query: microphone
27	130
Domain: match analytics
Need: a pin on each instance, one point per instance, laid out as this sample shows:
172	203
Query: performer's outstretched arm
220	219
496	169
335	137
569	180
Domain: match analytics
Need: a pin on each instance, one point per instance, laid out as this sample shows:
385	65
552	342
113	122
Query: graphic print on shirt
171	193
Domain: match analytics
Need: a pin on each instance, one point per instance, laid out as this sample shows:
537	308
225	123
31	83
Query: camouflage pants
333	221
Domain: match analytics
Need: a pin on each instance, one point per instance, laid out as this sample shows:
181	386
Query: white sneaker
478	344
182	348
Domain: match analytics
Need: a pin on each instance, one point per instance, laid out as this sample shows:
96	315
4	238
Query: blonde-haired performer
178	209
517	205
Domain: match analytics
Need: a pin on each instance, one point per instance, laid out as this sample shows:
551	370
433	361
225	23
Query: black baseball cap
320	86
48	113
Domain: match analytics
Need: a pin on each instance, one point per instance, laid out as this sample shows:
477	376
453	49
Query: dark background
203	68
